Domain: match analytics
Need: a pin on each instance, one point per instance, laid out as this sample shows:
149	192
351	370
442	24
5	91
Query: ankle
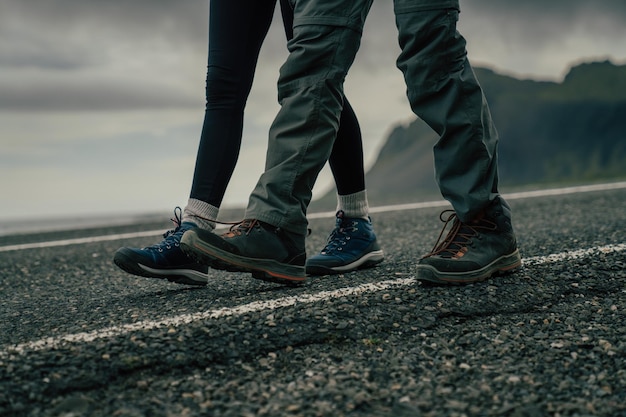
201	213
354	205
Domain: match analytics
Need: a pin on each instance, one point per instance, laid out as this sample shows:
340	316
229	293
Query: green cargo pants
441	88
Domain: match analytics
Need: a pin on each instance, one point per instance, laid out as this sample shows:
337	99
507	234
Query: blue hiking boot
351	245
165	259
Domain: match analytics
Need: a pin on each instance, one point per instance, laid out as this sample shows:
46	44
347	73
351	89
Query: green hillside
555	132
568	132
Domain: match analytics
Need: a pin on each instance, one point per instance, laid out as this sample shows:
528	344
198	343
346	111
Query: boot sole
264	269
176	275
501	266
368	260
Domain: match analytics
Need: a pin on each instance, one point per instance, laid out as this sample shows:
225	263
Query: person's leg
237	29
352	244
346	158
346	164
310	88
444	92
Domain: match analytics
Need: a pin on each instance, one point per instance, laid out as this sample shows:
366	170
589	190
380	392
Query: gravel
549	339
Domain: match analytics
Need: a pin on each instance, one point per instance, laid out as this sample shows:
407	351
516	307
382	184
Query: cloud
95	93
71	33
79	55
541	39
100	55
557	10
111	92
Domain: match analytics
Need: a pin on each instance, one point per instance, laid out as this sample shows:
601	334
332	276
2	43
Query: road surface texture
79	337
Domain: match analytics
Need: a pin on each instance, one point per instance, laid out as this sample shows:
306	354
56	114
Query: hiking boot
165	259
268	252
472	251
351	245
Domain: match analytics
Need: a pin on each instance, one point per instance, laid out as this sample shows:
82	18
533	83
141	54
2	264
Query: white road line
576	254
79	241
53	342
511	196
324	215
257	306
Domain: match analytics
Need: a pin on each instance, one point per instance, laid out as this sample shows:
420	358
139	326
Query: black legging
237	29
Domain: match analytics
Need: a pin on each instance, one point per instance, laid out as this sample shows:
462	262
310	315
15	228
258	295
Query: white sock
354	205
201	213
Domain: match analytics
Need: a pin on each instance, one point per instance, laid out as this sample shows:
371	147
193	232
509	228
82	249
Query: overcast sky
101	102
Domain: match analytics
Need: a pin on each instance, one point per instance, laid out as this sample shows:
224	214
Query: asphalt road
79	337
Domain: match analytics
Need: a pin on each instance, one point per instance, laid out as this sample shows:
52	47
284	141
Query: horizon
78	221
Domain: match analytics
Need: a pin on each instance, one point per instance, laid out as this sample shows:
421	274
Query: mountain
567	132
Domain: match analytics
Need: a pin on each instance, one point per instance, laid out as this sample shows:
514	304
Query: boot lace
340	236
171	238
454	245
240	228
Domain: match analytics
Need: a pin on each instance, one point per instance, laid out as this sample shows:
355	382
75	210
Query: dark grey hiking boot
473	251
268	252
